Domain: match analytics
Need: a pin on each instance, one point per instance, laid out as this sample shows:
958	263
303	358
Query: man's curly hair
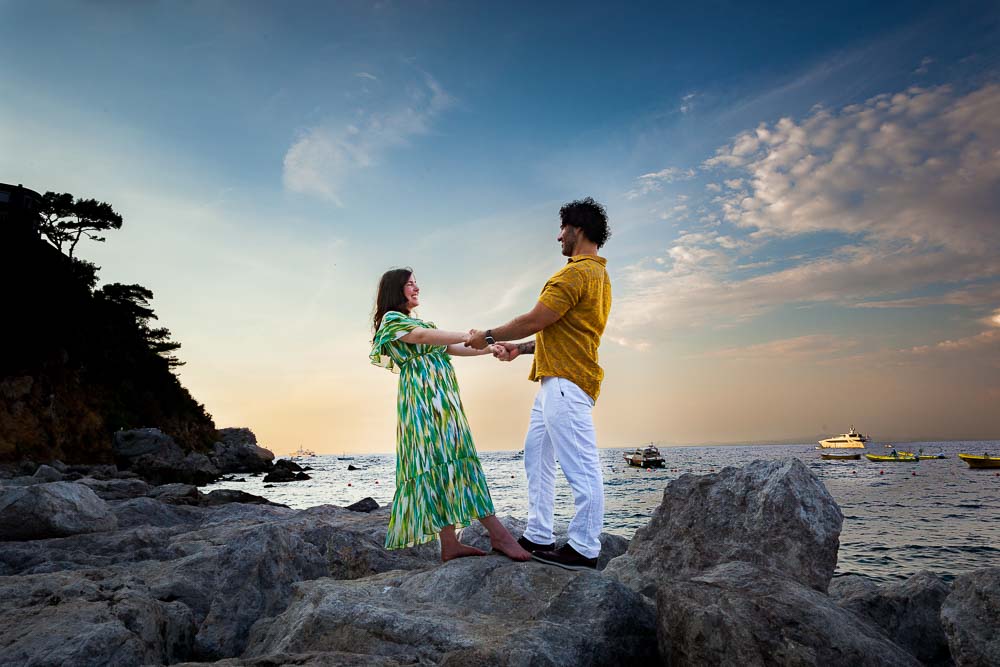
590	217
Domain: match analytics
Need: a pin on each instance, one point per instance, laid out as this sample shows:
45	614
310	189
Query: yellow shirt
581	293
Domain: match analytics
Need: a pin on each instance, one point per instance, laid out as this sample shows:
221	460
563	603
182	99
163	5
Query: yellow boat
983	461
895	457
920	455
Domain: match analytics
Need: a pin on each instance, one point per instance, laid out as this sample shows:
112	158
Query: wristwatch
489	337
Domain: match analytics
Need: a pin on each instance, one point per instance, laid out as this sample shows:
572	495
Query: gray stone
238	451
117	489
488	611
156	457
47	474
54	509
84	618
971	618
363	505
774	514
176	494
740	614
908	612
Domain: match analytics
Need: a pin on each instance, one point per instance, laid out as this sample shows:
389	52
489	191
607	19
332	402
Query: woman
440	485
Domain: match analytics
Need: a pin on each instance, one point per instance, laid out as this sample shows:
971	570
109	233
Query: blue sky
803	197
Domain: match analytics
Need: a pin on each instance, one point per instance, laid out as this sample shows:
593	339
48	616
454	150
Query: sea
899	518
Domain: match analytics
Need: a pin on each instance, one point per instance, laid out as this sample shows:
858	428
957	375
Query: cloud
800	348
366	75
909	183
924	65
323	157
653	182
687	103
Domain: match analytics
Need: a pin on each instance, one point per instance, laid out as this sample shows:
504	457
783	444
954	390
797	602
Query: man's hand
506	351
477	339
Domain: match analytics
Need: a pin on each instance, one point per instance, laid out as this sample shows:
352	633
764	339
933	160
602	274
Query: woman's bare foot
510	548
459	550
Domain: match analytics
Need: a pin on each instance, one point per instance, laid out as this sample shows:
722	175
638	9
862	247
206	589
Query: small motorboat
301	453
895	457
981	461
645	457
840	456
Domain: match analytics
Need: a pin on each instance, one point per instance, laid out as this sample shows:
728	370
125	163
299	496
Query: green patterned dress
439	481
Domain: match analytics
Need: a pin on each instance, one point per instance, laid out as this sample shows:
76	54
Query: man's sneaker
532	547
565	557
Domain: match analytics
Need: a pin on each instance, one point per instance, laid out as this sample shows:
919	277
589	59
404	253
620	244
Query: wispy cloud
324	156
653	182
910	181
924	67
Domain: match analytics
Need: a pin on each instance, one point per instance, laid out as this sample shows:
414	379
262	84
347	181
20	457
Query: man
568	319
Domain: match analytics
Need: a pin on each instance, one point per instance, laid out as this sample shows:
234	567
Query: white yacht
850	440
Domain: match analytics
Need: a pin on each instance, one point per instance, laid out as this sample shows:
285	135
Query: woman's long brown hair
390	294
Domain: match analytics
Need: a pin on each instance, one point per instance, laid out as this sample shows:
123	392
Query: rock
80	619
470	611
223	496
100	471
774	514
351	466
287	465
282	474
740	614
117	489
176	494
332	659
363	505
476	535
908	612
238	451
971	618
155	456
54	509
47	474
59	465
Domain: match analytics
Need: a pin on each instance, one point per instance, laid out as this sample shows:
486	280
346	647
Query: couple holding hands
440	484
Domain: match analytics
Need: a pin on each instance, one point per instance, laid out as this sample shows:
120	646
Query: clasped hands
501	351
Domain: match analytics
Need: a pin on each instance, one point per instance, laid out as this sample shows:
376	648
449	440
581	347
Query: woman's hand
505	351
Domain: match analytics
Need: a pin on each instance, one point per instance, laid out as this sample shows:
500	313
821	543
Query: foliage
65	220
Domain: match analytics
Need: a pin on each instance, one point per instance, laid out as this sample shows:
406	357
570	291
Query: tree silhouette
65	220
131	302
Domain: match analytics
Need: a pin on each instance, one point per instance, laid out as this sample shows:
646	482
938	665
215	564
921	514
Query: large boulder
774	514
971	618
470	611
55	509
908	612
740	614
238	451
154	455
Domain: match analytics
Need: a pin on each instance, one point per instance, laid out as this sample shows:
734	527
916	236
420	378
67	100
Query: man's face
567	237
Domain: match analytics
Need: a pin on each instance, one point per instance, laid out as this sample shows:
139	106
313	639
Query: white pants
562	427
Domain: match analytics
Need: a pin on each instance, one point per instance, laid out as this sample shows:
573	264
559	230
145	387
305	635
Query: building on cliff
19	208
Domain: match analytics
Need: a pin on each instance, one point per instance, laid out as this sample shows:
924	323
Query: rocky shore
126	565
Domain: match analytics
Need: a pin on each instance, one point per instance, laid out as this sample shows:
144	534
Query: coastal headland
101	565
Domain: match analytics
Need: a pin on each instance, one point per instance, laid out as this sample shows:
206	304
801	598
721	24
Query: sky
804	201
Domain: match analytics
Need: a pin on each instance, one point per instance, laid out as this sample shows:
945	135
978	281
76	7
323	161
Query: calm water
946	518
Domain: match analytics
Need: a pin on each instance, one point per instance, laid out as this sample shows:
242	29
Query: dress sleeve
562	291
394	326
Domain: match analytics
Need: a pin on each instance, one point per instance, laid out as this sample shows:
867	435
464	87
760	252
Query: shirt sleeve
562	291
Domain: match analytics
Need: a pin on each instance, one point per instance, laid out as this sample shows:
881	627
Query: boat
645	457
850	440
895	457
840	456
923	457
345	457
301	453
981	461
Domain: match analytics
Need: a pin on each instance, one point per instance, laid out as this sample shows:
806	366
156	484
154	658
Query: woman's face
411	292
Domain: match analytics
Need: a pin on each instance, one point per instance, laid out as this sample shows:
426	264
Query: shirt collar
580	258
